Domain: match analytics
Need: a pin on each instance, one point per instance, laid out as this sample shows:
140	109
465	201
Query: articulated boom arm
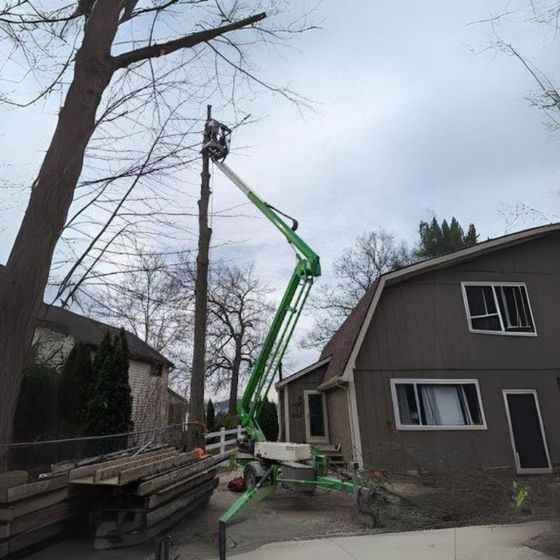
274	347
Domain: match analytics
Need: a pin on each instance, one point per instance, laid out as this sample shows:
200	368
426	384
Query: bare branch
189	41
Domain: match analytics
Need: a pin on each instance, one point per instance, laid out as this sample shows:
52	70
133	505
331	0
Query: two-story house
59	329
450	362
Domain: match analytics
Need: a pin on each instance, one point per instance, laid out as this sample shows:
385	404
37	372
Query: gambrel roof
342	349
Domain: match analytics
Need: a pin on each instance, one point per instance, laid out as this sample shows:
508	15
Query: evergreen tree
268	419
436	239
98	420
210	416
122	396
110	408
75	387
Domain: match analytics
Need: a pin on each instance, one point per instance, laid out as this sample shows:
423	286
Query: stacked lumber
141	496
33	512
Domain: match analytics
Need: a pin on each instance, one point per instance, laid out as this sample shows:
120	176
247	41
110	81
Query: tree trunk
23	280
195	435
234	387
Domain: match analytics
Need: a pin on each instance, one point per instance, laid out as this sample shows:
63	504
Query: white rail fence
227	439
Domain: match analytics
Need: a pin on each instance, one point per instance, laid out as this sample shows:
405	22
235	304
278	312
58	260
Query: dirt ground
284	516
288	516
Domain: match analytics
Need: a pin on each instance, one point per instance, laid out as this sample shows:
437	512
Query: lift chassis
268	464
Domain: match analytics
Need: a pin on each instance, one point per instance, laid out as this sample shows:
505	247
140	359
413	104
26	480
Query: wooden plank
163	512
26	490
169	492
13	478
44	517
30	538
112	471
150	486
22	507
136	473
4	549
90	470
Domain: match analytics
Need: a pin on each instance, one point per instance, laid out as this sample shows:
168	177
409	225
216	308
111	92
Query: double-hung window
432	404
498	308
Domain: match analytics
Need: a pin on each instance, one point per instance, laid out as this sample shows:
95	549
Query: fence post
239	428
222	439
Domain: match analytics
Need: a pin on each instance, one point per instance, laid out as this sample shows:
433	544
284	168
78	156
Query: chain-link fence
40	456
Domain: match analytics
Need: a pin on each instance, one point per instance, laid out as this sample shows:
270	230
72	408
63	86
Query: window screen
499	308
438	404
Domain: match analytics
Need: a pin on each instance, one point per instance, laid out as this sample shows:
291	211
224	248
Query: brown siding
420	330
337	411
310	381
385	447
282	433
339	422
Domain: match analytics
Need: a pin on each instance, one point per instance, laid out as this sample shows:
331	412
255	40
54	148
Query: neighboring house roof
344	345
89	331
173	394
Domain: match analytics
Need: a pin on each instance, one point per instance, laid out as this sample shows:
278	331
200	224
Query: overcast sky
413	116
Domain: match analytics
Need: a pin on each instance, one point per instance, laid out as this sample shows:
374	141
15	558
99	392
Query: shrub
36	416
268	420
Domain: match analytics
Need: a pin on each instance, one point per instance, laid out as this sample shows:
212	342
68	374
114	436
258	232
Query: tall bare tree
195	433
125	70
373	254
239	311
150	297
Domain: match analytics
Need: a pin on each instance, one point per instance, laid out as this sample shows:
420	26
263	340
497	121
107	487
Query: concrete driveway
490	542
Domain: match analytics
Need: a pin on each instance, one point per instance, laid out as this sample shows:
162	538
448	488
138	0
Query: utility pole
195	432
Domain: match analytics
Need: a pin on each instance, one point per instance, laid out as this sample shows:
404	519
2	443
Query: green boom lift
267	464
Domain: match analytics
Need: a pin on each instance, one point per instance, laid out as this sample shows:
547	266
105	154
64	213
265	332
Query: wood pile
139	497
33	512
124	499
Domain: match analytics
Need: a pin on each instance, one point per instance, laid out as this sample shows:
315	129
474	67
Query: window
437	404
498	308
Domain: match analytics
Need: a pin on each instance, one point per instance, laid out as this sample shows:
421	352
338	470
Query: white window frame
503	332
308	437
520	469
420	381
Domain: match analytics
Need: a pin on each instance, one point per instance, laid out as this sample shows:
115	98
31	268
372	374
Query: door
526	428
316	430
